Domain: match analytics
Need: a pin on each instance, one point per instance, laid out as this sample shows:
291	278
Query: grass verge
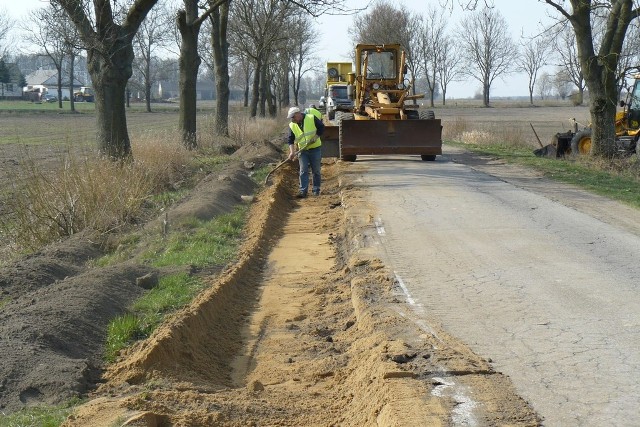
45	416
205	243
84	187
617	179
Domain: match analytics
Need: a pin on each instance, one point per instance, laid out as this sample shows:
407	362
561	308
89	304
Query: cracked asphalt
541	278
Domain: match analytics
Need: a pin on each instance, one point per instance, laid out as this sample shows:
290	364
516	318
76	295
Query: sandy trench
305	329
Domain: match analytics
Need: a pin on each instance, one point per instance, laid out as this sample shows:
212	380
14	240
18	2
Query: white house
48	79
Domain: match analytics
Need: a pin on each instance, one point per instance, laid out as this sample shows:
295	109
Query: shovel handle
279	165
536	134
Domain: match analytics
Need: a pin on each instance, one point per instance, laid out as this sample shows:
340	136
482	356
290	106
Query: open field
515	121
46	124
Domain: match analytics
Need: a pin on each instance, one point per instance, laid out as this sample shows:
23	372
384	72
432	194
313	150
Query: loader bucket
423	137
330	146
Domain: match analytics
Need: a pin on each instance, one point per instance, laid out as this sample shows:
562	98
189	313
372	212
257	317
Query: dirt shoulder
304	329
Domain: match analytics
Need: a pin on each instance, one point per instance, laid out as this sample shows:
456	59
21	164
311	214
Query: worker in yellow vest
313	110
304	142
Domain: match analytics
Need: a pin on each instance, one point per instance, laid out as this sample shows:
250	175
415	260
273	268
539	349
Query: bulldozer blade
546	151
423	137
330	145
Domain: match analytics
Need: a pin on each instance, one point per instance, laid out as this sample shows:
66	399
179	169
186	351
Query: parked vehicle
578	141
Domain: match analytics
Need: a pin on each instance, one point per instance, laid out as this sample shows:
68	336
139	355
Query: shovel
279	165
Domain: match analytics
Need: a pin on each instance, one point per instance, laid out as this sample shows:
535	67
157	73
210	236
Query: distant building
48	80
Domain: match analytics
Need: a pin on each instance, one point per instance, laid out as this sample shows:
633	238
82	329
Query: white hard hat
292	111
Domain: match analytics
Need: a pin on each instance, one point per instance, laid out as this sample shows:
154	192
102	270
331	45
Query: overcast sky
523	17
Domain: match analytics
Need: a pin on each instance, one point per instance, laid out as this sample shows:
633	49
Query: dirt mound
55	307
52	337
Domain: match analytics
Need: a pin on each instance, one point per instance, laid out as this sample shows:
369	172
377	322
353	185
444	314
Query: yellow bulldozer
627	125
382	120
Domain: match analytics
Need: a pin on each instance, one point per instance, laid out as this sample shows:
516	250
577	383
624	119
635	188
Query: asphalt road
541	278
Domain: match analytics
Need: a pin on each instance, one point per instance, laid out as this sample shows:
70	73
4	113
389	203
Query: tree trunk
72	102
603	131
220	19
189	65
599	75
60	85
485	94
255	89
285	89
263	92
147	83
271	104
109	77
246	88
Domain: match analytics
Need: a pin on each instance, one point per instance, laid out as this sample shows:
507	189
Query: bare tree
630	56
534	56
154	33
562	82
465	4
219	23
567	51
488	46
449	66
189	23
430	40
256	28
107	35
300	54
544	86
67	32
386	23
41	34
6	25
599	67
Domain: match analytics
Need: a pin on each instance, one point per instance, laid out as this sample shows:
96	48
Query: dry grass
461	130
242	129
82	191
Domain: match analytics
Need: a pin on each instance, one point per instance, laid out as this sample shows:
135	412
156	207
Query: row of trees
269	41
481	48
122	39
603	36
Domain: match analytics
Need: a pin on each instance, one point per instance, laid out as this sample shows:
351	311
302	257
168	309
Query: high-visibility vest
304	137
315	112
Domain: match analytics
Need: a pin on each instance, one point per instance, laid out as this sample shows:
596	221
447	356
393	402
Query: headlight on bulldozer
400	86
375	86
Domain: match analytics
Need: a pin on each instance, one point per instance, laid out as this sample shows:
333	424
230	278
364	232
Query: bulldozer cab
380	90
633	109
380	64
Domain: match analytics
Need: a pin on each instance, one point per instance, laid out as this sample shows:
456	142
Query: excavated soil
305	328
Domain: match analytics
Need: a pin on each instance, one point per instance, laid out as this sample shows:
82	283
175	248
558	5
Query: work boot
301	195
316	192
